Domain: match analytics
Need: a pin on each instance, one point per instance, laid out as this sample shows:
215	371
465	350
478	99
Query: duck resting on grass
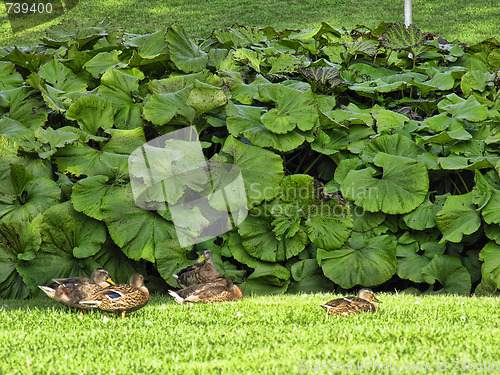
70	291
220	290
203	271
365	301
120	298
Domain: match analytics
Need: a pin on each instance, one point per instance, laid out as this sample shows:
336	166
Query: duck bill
376	300
201	259
110	281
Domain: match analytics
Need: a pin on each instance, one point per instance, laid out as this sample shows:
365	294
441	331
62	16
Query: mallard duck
121	298
203	271
70	291
365	301
219	290
100	276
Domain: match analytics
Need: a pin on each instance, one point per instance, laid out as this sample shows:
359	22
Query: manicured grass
468	21
265	335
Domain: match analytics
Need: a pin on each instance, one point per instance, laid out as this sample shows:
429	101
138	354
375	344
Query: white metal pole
408	13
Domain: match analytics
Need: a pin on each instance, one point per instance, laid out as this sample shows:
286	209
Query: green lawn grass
462	19
284	334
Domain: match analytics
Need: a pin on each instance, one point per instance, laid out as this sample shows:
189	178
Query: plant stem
456	187
463	182
312	164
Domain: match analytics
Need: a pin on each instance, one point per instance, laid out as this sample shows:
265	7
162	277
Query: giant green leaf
120	88
469	109
401	188
103	61
491	211
387	120
91	112
53	139
414	254
330	141
260	242
395	144
82	159
88	195
458	218
450	273
423	217
240	91
262	170
302	203
185	54
490	255
23	197
69	238
61	77
22	109
9	78
308	277
62	228
150	48
267	278
141	234
167	172
81	33
361	261
204	98
162	107
401	37
293	109
19	242
246	120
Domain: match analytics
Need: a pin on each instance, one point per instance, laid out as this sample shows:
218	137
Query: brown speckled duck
365	301
121	298
220	290
203	271
70	291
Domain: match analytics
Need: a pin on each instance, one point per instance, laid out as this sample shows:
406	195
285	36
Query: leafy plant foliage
369	157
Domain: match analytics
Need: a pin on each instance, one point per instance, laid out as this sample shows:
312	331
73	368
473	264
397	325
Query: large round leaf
161	107
423	217
24	197
141	234
361	261
411	261
490	255
401	188
69	239
396	144
88	195
119	86
186	55
91	112
458	218
491	211
246	120
9	78
267	278
448	270
61	77
260	242
22	109
294	109
64	229
302	202
262	170
19	242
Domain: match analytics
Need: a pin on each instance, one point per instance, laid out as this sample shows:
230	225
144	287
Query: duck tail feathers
178	298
